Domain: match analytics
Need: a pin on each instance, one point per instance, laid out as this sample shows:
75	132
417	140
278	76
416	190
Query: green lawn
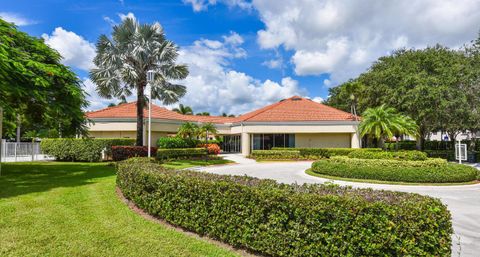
182	164
71	209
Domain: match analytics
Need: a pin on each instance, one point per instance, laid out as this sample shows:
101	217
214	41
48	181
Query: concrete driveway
462	201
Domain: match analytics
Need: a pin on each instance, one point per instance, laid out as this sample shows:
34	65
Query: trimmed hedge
180	153
120	153
275	154
412	155
306	153
290	220
77	149
176	142
429	171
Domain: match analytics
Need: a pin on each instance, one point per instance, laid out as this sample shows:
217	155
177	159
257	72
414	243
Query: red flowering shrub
120	153
212	148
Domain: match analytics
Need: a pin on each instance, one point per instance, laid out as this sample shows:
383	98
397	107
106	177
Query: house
292	122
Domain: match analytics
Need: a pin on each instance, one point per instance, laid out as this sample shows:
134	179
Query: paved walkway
462	201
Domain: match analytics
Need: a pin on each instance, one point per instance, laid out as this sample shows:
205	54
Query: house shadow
24	178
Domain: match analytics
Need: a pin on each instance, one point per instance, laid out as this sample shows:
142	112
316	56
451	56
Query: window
267	141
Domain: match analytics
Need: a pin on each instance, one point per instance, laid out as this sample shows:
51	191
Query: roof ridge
331	107
262	110
113	107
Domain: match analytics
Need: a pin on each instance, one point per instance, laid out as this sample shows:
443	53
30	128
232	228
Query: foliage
120	153
318	153
429	171
412	155
183	109
72	209
203	114
37	87
275	219
180	153
122	63
176	142
90	150
275	154
383	123
189	163
211	148
188	130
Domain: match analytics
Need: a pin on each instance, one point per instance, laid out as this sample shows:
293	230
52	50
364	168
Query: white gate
21	152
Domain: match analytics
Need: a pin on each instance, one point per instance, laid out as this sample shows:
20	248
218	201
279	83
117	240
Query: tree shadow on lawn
24	178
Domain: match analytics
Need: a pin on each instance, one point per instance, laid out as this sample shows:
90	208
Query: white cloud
124	16
212	86
17	19
273	64
318	99
343	37
202	5
75	50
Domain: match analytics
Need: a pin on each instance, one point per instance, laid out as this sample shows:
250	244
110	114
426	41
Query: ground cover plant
412	155
180	153
428	171
283	153
289	220
71	209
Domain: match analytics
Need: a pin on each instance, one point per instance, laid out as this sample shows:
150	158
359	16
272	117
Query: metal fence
21	151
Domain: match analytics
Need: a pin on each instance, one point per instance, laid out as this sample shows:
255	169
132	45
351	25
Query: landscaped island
289	220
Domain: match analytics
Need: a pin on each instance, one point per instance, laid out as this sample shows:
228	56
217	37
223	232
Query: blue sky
243	54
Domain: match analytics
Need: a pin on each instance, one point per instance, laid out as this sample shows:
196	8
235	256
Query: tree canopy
35	85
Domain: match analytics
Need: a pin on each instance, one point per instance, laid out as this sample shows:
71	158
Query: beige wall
342	140
112	134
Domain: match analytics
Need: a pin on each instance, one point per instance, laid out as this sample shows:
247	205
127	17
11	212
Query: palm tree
188	130
384	122
183	109
122	63
205	130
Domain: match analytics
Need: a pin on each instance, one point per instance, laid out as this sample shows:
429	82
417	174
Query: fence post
33	152
15	152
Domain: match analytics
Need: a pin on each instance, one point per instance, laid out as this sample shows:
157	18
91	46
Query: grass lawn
71	209
311	173
182	164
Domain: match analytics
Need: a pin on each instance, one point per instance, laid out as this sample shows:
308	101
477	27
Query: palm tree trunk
140	105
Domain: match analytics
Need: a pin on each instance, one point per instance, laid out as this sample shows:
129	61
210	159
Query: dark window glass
267	141
290	140
279	140
257	142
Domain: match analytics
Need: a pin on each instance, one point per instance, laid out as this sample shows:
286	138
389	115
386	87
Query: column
245	144
355	143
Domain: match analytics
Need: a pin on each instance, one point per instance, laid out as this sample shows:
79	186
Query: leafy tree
36	86
205	130
188	130
123	61
203	114
182	109
384	122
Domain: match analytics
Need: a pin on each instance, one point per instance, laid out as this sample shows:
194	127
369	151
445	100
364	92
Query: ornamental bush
176	142
310	153
76	149
289	220
412	155
120	153
211	148
275	154
429	171
180	153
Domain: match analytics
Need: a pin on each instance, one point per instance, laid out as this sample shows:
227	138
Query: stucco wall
334	140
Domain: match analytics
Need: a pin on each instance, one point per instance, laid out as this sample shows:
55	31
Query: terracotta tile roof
296	109
129	110
292	109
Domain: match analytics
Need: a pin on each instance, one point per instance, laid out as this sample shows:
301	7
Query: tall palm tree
384	122
183	109
122	63
188	130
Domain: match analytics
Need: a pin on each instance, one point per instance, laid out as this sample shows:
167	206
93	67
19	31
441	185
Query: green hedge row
76	149
290	220
412	155
279	153
180	153
430	171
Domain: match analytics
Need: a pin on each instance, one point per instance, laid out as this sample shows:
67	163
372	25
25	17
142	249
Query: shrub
211	148
73	149
290	220
444	154
275	154
180	153
412	155
120	153
429	171
319	153
176	142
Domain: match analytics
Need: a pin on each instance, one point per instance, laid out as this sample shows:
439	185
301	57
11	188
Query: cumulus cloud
343	37
202	5
212	86
75	50
318	99
124	16
16	18
273	64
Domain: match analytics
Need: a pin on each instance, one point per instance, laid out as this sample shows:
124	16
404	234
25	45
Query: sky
243	54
